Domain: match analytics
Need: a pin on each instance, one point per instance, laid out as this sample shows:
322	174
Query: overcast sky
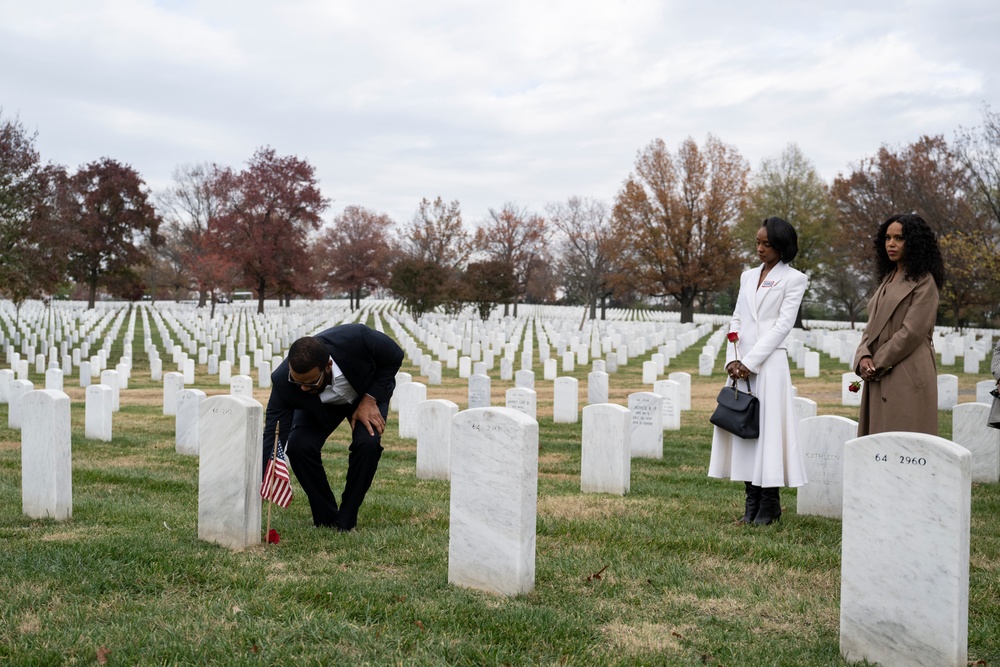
487	102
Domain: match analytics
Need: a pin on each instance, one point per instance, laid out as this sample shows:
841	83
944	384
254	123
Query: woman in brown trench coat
896	355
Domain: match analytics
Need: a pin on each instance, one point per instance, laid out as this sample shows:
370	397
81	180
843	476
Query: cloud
521	101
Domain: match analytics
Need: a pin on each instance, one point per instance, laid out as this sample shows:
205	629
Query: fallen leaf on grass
419	625
102	655
236	609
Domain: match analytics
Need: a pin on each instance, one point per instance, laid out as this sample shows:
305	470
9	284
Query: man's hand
367	413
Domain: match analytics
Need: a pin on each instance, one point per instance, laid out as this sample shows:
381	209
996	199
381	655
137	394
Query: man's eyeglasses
310	385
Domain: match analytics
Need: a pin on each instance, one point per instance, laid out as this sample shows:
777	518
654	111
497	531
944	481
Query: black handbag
737	412
994	419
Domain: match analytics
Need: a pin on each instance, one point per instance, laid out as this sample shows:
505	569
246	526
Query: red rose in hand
732	336
273	537
854	387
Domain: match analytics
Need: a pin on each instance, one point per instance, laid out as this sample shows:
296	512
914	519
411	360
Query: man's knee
365	443
303	443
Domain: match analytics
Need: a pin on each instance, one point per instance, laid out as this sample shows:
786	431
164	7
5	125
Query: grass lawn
662	576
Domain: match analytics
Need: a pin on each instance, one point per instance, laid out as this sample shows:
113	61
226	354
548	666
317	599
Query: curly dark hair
921	253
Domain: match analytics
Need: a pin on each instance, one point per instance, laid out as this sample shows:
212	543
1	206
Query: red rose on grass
732	336
273	537
854	387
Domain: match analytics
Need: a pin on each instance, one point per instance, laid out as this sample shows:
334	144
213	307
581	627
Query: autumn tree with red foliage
927	178
32	256
674	217
112	226
188	258
266	215
517	239
354	253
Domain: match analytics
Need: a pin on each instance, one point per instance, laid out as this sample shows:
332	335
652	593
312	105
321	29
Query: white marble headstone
649	372
86	375
186	424
983	390
804	408
605	454
597	387
706	363
6	377
524	378
54	379
402	377
565	400
848	397
671	413
494	499
46	455
947	391
173	383
479	391
98	412
18	390
241	385
434	372
110	379
969	429
410	395
822	440
434	438
684	380
812	364
904	595
523	400
230	471
647	424
550	369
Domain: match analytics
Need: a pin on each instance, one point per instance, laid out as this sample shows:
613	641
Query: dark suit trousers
305	447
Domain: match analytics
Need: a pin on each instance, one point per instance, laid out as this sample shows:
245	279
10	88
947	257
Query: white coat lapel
754	278
772	285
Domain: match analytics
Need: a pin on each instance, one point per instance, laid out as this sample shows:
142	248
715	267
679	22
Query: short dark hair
308	353
782	237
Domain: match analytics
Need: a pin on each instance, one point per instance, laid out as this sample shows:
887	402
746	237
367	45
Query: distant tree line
677	233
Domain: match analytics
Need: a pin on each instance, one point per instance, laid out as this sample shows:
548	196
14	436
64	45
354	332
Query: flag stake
270	490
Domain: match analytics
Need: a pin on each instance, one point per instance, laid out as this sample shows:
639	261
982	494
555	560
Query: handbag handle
736	389
736	345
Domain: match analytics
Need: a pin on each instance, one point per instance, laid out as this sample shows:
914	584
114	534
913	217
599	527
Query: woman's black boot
770	506
753	503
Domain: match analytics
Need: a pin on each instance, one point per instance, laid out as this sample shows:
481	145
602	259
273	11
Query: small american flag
277	486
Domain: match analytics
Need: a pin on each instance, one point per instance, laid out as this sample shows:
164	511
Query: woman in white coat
768	303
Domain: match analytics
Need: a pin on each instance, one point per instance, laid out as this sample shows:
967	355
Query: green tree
487	284
788	186
417	283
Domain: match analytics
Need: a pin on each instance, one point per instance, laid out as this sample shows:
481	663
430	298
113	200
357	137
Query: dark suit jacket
368	359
